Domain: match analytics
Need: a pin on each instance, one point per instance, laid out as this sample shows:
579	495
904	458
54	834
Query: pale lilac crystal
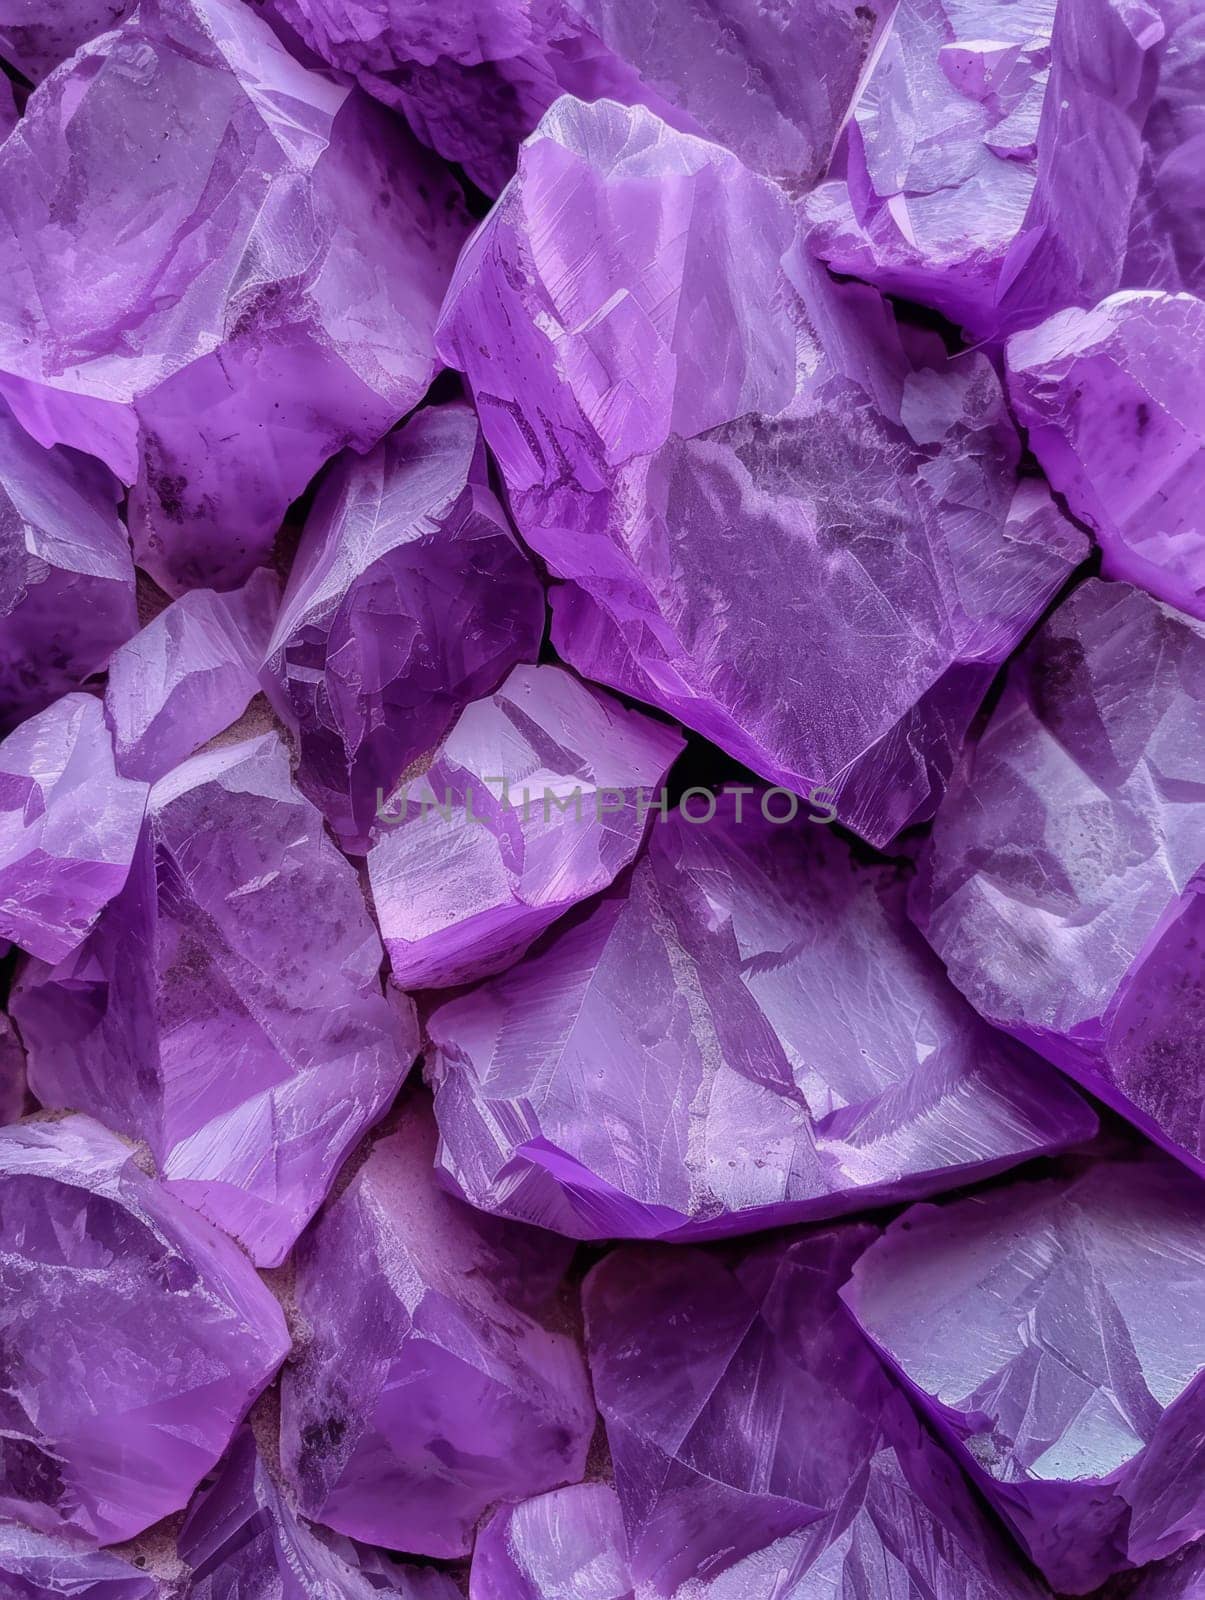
1051	1328
567	1545
40	1566
217	269
993	157
35	36
426	1390
1062	884
1115	408
816	562
538	797
12	1073
66	573
242	1540
747	1033
189	674
409	598
228	1008
135	1336
68	827
759	1448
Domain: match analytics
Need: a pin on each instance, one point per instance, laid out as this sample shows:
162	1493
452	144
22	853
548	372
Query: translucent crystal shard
1062	884
1051	1329
567	1545
538	797
228	1008
135	1336
409	598
35	37
39	1566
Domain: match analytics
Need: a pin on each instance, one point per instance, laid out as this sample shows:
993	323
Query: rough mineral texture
241	1540
228	1008
135	1337
1051	1328
779	1459
39	1566
1115	408
426	1390
777	523
993	158
35	36
188	675
12	1073
539	796
66	573
1180	1577
68	827
567	1545
216	270
409	598
747	1033
1062	884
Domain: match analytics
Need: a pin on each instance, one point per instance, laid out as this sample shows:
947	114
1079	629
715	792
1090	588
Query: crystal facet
1051	1328
539	796
228	1008
1062	885
135	1336
567	1545
426	1391
39	1566
409	598
36	37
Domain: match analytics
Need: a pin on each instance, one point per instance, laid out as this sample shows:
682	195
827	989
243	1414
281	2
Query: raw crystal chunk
426	1390
759	1448
242	1540
993	158
66	573
1052	1329
818	562
37	1566
217	269
1062	884
36	37
772	83
188	675
567	1545
748	1033
135	1336
12	1073
1115	408
228	1008
409	597
538	797
68	827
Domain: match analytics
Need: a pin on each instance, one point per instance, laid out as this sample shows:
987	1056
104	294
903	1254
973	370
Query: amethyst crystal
35	37
567	1545
669	1063
426	1390
778	1458
1062	883
216	270
188	675
66	574
409	598
1115	408
779	525
38	1566
993	157
135	1336
539	796
68	827
1051	1328
228	1007
12	1073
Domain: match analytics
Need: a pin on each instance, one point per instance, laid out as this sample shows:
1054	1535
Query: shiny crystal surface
40	1566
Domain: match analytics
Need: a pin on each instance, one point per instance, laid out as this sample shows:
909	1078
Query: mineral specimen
242	1541
759	1448
409	598
748	1033
135	1336
1062	883
217	269
37	1566
36	37
993	158
816	561
68	827
539	796
12	1073
567	1545
228	1008
66	573
188	675
1115	408
1051	1327
426	1390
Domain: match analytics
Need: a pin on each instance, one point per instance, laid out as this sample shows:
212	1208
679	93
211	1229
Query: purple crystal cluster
602	800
